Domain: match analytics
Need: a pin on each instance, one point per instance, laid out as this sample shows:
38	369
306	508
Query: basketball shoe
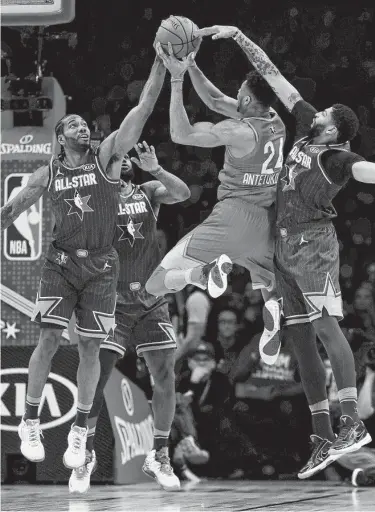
31	446
75	454
79	480
353	435
158	466
320	457
270	342
215	274
191	451
363	477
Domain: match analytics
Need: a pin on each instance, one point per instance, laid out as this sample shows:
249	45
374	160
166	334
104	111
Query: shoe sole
151	475
224	267
197	459
320	467
269	310
355	447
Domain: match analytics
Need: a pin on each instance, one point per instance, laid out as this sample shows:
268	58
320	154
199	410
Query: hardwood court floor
209	495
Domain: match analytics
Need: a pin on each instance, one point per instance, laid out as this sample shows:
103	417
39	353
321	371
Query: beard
127	175
315	131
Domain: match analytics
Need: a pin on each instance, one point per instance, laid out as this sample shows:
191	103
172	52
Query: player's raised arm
120	142
205	135
29	195
168	189
209	93
286	92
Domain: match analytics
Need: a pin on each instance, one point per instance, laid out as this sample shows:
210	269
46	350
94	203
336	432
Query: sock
32	406
82	415
321	420
348	402
90	436
161	438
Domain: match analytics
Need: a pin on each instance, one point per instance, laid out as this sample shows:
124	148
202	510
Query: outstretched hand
147	160
175	66
217	31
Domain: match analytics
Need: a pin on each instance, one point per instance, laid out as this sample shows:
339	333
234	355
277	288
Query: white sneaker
217	275
31	445
79	480
75	454
270	343
158	466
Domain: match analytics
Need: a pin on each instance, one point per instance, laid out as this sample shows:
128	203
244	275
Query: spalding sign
58	403
25	146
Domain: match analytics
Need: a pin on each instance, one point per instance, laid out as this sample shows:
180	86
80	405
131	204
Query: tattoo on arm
257	56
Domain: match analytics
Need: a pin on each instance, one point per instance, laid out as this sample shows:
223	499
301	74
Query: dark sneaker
270	343
320	457
363	477
353	435
216	274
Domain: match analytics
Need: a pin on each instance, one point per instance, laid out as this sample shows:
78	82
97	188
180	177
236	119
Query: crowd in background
235	416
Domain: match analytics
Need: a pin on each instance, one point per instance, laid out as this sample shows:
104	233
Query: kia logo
127	397
26	139
59	394
88	167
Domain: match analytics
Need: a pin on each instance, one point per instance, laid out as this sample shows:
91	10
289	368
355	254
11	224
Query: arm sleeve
197	308
303	113
338	165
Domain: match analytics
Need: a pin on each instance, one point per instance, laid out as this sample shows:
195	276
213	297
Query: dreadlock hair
260	88
346	122
59	130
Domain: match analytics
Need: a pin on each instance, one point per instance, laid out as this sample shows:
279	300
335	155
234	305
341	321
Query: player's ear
247	100
332	130
61	140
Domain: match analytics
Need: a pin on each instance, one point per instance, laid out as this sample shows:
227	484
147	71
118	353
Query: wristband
176	80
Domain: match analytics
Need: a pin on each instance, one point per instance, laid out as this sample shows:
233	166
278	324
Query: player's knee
155	284
161	365
326	328
49	340
88	348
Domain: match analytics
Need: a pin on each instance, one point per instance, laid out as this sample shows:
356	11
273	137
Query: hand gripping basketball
175	66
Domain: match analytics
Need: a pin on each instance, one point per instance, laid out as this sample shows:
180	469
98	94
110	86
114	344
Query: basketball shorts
142	322
307	274
79	281
243	231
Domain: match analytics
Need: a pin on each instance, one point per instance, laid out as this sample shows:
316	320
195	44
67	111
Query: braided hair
59	130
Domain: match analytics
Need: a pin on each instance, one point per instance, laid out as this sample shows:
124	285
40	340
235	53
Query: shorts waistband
82	253
301	228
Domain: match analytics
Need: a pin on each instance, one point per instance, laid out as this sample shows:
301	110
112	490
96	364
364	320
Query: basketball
179	31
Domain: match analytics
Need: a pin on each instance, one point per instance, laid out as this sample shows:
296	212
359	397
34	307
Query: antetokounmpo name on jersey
82	180
300	157
260	180
132	208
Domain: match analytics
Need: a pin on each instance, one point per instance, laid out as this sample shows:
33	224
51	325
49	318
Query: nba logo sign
23	239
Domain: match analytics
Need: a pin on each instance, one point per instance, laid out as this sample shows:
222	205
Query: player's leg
112	348
299	330
54	306
156	342
353	433
318	279
95	312
202	258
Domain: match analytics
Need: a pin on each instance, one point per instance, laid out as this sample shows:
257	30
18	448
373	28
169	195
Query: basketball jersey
84	203
136	239
304	191
253	177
